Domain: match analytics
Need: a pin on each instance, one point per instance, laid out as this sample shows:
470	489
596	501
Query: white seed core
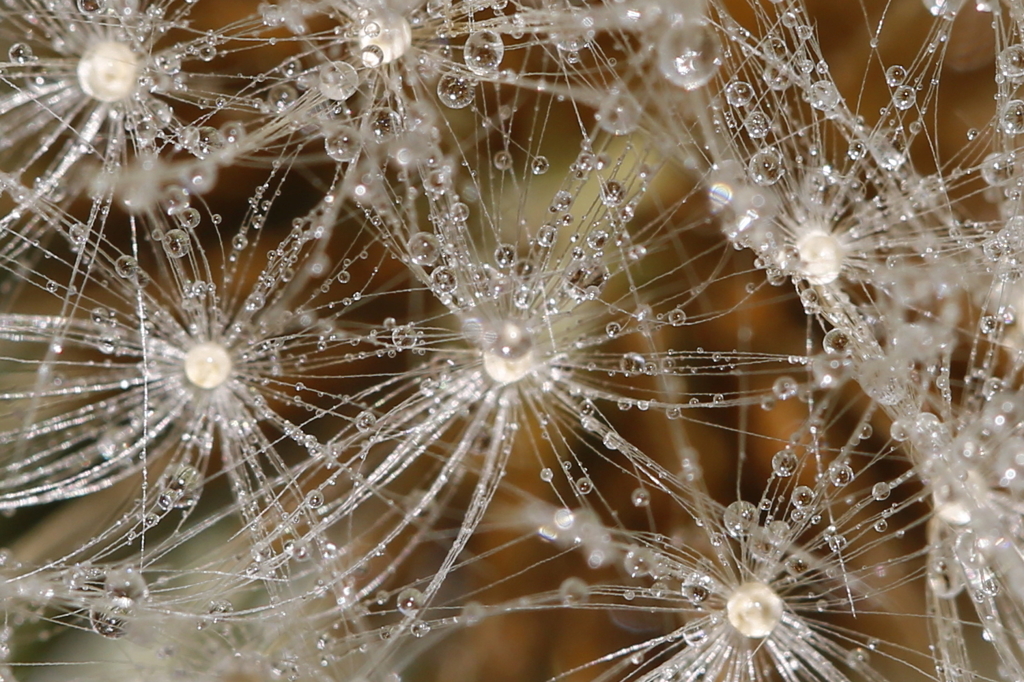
509	357
207	365
754	609
821	257
384	38
108	71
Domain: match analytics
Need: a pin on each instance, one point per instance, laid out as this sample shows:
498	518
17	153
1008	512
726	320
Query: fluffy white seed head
754	609
207	365
509	357
108	71
384	38
821	257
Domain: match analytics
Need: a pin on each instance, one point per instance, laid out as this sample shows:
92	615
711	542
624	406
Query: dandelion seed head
754	609
108	71
208	365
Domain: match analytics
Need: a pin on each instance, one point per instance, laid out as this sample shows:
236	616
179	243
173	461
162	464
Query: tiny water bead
208	365
509	357
384	38
108	71
754	609
821	257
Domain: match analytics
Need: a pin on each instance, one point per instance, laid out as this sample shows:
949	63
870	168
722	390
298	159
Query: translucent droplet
640	497
802	496
365	421
483	52
689	54
880	490
766	167
895	76
1011	117
573	590
999	169
836	342
21	53
125	587
338	80
840	474
943	8
784	463
456	92
410	601
823	95
343	144
91	6
424	248
739	93
110	619
904	97
127	267
177	243
785	388
1011	62
740	518
758	124
540	165
619	114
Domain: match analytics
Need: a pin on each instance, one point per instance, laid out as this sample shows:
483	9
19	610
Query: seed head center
108	71
207	365
821	257
509	357
384	38
754	609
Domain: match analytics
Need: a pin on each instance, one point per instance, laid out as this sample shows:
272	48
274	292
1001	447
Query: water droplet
410	601
619	114
757	124
766	167
880	490
342	144
836	342
573	590
456	92
802	496
895	76
823	95
338	80
1011	62
1011	117
177	243
483	52
739	93
904	97
784	463
20	53
689	54
740	518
